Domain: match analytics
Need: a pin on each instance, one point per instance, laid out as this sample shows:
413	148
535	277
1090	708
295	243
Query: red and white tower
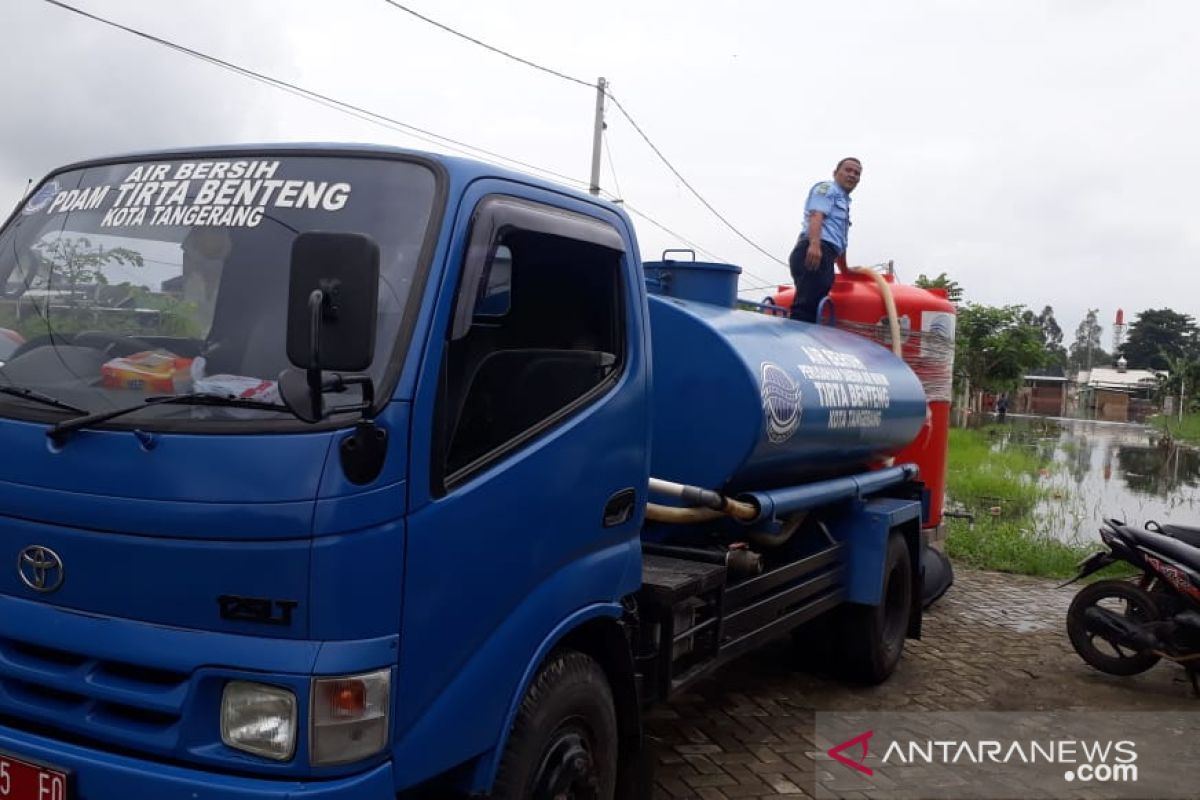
1118	332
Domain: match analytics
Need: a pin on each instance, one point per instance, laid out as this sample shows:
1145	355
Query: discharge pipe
781	502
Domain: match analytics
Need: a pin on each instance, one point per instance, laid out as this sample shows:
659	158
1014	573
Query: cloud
1039	153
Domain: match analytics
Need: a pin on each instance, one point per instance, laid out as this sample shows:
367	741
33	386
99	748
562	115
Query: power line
394	124
689	186
487	46
330	102
758	288
612	166
698	248
607	140
616	102
670	232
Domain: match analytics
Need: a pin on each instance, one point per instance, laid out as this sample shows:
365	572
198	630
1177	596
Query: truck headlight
259	719
349	717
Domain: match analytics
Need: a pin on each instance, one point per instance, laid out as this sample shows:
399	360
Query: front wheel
563	744
871	638
1097	643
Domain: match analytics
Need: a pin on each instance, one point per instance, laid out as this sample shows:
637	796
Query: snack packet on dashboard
148	371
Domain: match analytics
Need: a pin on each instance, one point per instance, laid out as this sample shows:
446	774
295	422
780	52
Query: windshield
125	281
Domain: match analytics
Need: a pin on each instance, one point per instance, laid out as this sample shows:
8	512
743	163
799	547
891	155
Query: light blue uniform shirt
832	201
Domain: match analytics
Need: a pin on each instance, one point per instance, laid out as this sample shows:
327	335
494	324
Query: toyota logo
41	569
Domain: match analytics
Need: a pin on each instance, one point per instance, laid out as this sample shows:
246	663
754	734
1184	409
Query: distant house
1043	394
1117	394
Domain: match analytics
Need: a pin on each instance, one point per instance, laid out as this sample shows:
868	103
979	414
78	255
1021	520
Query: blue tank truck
353	472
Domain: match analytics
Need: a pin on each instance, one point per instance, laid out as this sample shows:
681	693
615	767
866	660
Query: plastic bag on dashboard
244	387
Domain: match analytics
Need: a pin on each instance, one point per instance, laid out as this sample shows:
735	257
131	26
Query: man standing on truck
823	238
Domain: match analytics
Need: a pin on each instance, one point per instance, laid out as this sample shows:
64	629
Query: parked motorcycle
1124	627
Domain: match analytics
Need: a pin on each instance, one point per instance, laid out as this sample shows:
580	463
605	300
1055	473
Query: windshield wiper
38	397
58	433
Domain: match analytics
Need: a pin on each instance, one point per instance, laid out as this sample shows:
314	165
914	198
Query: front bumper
98	775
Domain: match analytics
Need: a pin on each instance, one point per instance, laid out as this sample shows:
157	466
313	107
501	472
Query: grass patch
981	476
1011	546
1186	429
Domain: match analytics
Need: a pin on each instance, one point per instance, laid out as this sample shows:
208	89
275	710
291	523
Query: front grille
124	704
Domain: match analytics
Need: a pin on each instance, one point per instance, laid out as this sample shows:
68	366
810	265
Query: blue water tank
745	400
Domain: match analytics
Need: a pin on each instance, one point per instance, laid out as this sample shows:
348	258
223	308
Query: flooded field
1106	470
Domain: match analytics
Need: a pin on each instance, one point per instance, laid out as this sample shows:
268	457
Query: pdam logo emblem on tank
41	198
780	402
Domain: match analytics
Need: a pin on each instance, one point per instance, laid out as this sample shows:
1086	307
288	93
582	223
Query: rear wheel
1100	647
563	744
871	638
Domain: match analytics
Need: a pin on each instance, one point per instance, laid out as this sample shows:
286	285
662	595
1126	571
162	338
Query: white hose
889	303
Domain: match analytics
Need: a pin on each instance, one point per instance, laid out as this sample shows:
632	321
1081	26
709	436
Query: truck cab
214	598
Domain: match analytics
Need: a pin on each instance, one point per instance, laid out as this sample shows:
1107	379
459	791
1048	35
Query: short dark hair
844	160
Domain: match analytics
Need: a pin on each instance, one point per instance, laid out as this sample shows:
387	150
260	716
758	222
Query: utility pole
597	136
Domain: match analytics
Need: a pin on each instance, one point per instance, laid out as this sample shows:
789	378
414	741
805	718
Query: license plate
23	780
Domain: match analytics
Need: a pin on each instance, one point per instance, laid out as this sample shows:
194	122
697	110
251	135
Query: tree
1183	371
78	262
1085	351
1158	335
995	347
954	292
1056	355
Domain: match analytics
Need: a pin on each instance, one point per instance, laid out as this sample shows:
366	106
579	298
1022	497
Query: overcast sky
1040	153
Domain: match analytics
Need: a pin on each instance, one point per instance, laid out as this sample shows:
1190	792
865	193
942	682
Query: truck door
534	396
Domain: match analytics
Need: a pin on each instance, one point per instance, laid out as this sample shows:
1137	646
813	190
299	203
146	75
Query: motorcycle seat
1163	545
1184	533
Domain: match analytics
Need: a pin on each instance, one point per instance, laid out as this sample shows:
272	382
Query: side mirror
332	306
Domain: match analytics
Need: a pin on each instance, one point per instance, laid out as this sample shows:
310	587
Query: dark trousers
811	284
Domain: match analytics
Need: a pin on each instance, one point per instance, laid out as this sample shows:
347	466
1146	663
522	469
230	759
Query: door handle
619	508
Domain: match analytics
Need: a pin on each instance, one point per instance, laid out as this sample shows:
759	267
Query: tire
1139	607
871	638
563	742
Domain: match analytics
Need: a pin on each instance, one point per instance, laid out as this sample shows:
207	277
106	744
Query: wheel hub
568	771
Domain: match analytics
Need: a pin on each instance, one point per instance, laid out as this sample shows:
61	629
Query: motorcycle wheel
1120	597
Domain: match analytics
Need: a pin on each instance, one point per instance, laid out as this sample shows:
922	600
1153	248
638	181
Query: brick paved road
994	642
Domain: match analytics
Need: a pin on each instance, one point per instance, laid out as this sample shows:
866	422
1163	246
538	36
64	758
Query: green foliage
1159	335
77	262
981	476
1182	376
954	291
1085	352
1186	429
996	346
140	313
1052	335
1016	546
176	317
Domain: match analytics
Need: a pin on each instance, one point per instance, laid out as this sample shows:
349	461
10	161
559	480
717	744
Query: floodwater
1104	469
